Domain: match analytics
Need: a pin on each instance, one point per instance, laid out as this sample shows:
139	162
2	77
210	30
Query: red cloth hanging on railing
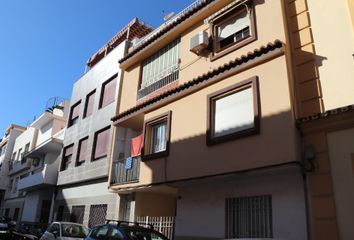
136	145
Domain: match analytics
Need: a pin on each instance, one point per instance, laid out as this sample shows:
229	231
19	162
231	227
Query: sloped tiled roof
135	28
277	44
194	8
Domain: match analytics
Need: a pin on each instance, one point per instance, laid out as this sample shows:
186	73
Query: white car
65	231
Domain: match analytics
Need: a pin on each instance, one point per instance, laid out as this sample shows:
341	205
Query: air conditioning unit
199	43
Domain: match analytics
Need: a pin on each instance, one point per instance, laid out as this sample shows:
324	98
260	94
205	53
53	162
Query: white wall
85	191
201	207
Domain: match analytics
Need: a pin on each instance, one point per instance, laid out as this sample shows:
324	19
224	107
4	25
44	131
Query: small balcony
41	177
18	166
125	171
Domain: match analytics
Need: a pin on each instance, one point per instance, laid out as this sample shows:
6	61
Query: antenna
168	16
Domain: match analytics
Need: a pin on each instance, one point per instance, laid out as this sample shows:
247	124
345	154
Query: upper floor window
233	29
157	136
14	156
108	91
82	151
100	143
19	154
67	155
233	112
90	98
74	113
160	69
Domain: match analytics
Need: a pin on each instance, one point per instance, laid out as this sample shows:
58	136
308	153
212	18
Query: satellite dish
168	16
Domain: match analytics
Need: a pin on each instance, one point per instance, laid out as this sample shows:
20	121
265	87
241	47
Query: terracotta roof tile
167	28
326	114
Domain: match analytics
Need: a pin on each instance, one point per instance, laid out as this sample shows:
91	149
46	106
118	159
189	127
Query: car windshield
73	230
144	234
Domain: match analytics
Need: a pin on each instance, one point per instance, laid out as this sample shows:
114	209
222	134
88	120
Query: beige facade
192	166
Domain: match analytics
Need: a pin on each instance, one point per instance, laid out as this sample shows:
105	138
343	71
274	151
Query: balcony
41	177
18	166
124	172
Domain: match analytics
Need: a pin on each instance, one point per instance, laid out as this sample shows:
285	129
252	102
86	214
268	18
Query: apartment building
82	194
33	167
39	181
324	70
209	104
6	148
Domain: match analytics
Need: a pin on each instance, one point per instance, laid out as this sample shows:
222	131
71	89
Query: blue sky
44	46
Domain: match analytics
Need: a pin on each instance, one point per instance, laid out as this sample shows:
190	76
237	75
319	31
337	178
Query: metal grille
164	225
249	217
122	174
161	65
77	214
98	214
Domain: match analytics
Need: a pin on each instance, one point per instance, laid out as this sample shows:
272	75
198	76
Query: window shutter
234	112
101	143
68	151
75	111
83	150
109	92
89	106
234	25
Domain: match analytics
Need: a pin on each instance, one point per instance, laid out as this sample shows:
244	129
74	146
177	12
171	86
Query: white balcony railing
38	179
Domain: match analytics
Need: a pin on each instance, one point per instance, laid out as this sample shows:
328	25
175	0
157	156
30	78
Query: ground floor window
16	213
77	214
98	214
45	211
249	217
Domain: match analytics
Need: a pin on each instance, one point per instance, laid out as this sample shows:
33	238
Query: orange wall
269	28
191	157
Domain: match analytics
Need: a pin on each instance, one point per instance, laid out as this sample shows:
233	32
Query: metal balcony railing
125	172
158	84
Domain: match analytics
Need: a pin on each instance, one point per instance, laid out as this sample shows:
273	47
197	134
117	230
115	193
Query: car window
144	234
115	234
73	230
54	227
100	232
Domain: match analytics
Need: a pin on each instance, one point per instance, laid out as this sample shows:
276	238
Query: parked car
122	230
8	231
5	226
65	231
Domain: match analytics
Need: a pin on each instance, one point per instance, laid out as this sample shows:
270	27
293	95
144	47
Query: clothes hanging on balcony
136	145
128	163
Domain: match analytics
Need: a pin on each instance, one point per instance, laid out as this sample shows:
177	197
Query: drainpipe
307	156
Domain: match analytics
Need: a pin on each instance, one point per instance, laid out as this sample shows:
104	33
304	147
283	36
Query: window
100	143
98	214
233	112
90	99
160	69
157	137
249	217
16	212
108	91
60	213
81	152
233	29
15	185
19	155
67	154
77	214
14	156
74	113
26	148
